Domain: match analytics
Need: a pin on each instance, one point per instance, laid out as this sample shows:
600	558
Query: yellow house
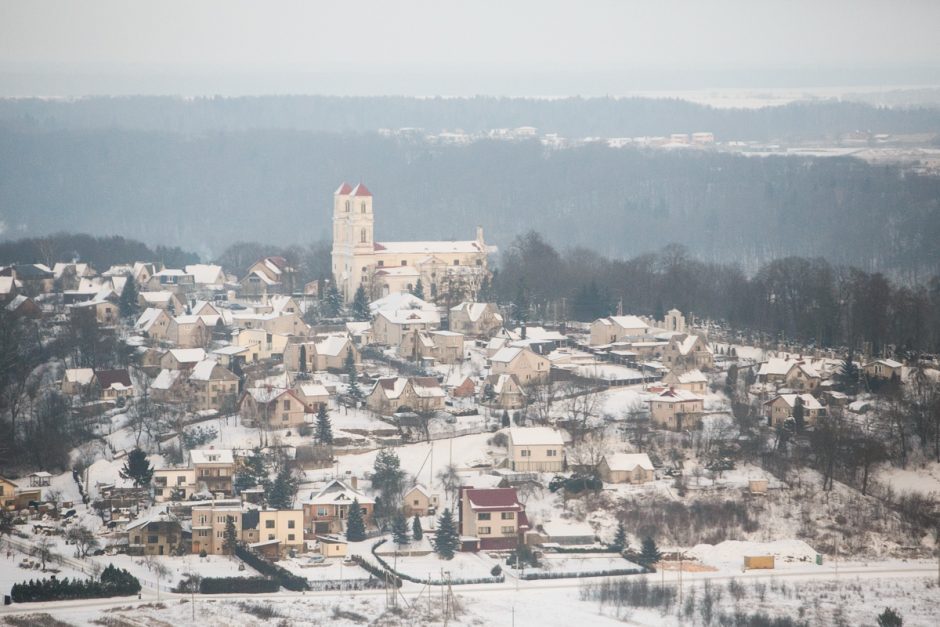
677	410
536	449
214	469
528	366
626	468
188	332
332	546
688	352
503	391
212	386
157	534
795	374
278	408
884	369
168	482
617	328
261	344
777	410
154	323
389	327
392	394
692	380
78	380
419	500
476	319
286	526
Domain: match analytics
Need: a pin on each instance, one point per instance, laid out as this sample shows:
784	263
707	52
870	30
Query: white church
454	268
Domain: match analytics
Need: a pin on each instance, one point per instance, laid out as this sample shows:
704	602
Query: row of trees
806	300
112	582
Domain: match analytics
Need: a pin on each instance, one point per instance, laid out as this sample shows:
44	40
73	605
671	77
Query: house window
508	531
269	524
404	262
152	539
507	515
479	262
524	453
551	453
456	262
290	537
321	511
287	404
415	501
285	417
381	263
483	531
270	536
291	524
485	516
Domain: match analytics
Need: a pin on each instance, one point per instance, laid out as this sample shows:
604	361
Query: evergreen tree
848	375
649	553
731	379
281	491
447	540
137	468
521	303
360	307
388	479
890	618
230	538
485	293
416	531
324	433
400	529
128	302
620	539
303	359
353	374
332	302
355	527
418	289
798	413
504	420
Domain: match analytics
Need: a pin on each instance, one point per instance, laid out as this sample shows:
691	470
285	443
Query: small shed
332	546
757	486
39	479
758	562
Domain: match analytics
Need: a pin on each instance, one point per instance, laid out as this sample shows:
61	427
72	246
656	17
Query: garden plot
729	555
463	566
581	563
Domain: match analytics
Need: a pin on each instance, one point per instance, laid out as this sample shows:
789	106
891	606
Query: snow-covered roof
780	367
535	436
430	248
6	284
202	371
146	319
332	345
506	354
399	301
809	401
170	272
424	387
265	395
626	462
312	390
411	316
691	376
206	274
474	310
188	355
676	396
230	350
626	322
165	380
890	363
81	376
337	492
211	456
540	334
686	344
189	319
156	297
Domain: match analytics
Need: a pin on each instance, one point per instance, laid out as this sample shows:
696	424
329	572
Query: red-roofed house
490	519
114	384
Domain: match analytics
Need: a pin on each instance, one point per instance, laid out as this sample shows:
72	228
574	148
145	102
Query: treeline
205	192
807	300
101	252
113	582
572	117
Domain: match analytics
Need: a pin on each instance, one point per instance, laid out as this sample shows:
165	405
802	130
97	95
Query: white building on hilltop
388	267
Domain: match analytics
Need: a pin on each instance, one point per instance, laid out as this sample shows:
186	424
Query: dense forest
204	192
100	252
794	298
570	117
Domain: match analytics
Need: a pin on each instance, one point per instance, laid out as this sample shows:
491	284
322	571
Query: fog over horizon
527	48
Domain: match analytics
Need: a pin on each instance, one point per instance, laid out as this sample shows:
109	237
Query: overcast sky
94	46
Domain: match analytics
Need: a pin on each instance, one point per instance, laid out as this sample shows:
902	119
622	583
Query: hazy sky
92	46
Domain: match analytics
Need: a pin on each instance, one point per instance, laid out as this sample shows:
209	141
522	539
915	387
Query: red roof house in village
490	519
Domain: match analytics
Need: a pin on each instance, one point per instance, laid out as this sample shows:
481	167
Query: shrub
203	553
496	571
245	585
282	576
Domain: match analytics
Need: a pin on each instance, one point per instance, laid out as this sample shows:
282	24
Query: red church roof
361	190
343	189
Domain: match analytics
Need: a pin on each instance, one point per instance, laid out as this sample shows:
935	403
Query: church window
363	206
362	236
404	262
347	206
433	290
456	262
381	263
479	262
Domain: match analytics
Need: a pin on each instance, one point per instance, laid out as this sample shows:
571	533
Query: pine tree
416	531
504	420
388	479
890	618
521	304
418	290
361	305
281	491
848	375
620	539
353	374
355	527
128	303
137	468
324	433
400	529
332	302
798	413
230	539
447	541
649	554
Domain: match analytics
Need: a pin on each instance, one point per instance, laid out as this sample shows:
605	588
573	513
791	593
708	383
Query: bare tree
42	550
83	538
589	450
450	480
581	407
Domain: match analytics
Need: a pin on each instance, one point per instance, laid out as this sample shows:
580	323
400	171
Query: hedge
114	582
281	575
596	573
246	585
376	571
581	549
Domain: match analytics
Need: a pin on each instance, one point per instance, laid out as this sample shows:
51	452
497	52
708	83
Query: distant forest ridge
204	192
570	117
